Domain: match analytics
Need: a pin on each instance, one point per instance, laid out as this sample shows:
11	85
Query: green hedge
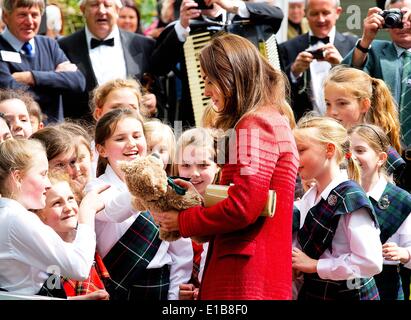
73	19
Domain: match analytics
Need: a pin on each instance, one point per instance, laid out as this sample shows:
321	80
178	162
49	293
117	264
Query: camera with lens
392	18
202	5
317	54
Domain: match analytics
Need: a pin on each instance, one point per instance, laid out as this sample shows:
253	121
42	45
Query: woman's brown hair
246	79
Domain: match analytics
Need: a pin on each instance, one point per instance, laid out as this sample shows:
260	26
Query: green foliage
148	10
73	19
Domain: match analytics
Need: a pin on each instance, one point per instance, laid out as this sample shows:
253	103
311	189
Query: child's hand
187	292
90	205
93	200
302	262
392	252
96	295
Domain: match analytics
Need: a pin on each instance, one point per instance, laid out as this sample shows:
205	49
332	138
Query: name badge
10	56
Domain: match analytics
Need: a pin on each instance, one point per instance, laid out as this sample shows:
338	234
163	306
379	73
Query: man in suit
263	20
103	52
297	22
35	63
305	71
379	58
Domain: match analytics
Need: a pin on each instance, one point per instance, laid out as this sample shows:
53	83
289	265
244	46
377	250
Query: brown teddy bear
152	190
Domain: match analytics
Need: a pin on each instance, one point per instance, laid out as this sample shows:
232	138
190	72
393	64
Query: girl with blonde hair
161	140
392	206
353	97
336	246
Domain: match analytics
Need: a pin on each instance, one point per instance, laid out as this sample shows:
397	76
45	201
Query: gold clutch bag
215	193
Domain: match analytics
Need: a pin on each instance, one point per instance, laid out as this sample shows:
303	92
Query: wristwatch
362	49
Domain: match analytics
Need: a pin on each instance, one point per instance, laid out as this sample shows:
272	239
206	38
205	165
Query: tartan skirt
389	283
149	285
315	288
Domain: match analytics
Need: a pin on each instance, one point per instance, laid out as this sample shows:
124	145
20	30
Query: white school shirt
108	62
118	215
402	237
29	249
356	246
202	261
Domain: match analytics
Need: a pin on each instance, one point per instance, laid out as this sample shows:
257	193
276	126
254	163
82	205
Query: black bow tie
314	40
94	43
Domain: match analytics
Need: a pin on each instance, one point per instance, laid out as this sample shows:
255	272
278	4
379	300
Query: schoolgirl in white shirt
392	205
337	247
29	249
141	265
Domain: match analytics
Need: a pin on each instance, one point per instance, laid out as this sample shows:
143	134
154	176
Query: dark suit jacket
169	50
289	50
137	51
49	85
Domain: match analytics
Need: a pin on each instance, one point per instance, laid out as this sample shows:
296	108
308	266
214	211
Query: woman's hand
185	184
302	262
168	220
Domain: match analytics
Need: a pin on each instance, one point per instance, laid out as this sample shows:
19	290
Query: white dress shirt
356	246
118	216
29	249
402	237
318	71
108	62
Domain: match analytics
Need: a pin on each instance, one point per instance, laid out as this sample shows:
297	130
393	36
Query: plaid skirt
53	287
389	283
315	288
150	285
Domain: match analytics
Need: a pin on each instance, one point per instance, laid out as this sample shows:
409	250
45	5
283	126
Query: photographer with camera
309	57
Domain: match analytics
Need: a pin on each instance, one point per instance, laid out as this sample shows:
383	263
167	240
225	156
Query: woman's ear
330	150
365	105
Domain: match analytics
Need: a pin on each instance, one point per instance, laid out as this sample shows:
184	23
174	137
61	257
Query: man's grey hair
9	5
118	3
337	3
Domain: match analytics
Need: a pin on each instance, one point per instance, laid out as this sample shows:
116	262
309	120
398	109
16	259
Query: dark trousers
405	274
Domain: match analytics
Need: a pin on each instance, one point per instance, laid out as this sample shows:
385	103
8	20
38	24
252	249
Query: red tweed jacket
250	256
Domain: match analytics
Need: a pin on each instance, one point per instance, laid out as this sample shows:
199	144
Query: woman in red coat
249	256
